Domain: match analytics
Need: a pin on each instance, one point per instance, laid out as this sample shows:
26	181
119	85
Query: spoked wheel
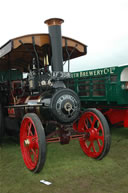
32	142
96	138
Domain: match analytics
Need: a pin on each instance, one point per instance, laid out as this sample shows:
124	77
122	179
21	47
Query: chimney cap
54	21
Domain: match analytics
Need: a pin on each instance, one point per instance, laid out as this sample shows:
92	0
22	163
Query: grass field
69	170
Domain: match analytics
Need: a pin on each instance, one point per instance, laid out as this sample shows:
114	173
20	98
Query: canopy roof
18	52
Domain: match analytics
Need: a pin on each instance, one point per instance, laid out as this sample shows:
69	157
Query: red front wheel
32	142
96	134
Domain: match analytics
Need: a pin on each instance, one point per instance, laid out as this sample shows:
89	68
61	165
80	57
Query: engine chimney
54	26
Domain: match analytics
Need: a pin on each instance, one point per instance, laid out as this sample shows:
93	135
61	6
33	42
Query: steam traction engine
40	104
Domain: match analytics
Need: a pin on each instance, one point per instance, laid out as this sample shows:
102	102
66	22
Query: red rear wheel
96	138
32	142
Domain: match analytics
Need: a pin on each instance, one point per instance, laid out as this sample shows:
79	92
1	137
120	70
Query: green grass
69	170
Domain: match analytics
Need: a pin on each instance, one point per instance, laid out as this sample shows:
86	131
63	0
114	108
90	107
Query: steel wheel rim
29	143
92	142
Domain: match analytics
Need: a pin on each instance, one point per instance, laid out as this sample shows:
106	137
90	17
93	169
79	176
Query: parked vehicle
105	89
36	102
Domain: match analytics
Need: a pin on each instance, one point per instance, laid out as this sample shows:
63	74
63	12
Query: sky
100	24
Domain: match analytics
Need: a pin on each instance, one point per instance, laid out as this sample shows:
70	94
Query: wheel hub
68	106
30	142
92	135
26	142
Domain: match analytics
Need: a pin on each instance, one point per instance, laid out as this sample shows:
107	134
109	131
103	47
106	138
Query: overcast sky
100	24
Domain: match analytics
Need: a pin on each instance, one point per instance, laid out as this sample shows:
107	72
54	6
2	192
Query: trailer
35	102
105	89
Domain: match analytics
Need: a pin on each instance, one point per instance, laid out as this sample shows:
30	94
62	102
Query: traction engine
46	110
